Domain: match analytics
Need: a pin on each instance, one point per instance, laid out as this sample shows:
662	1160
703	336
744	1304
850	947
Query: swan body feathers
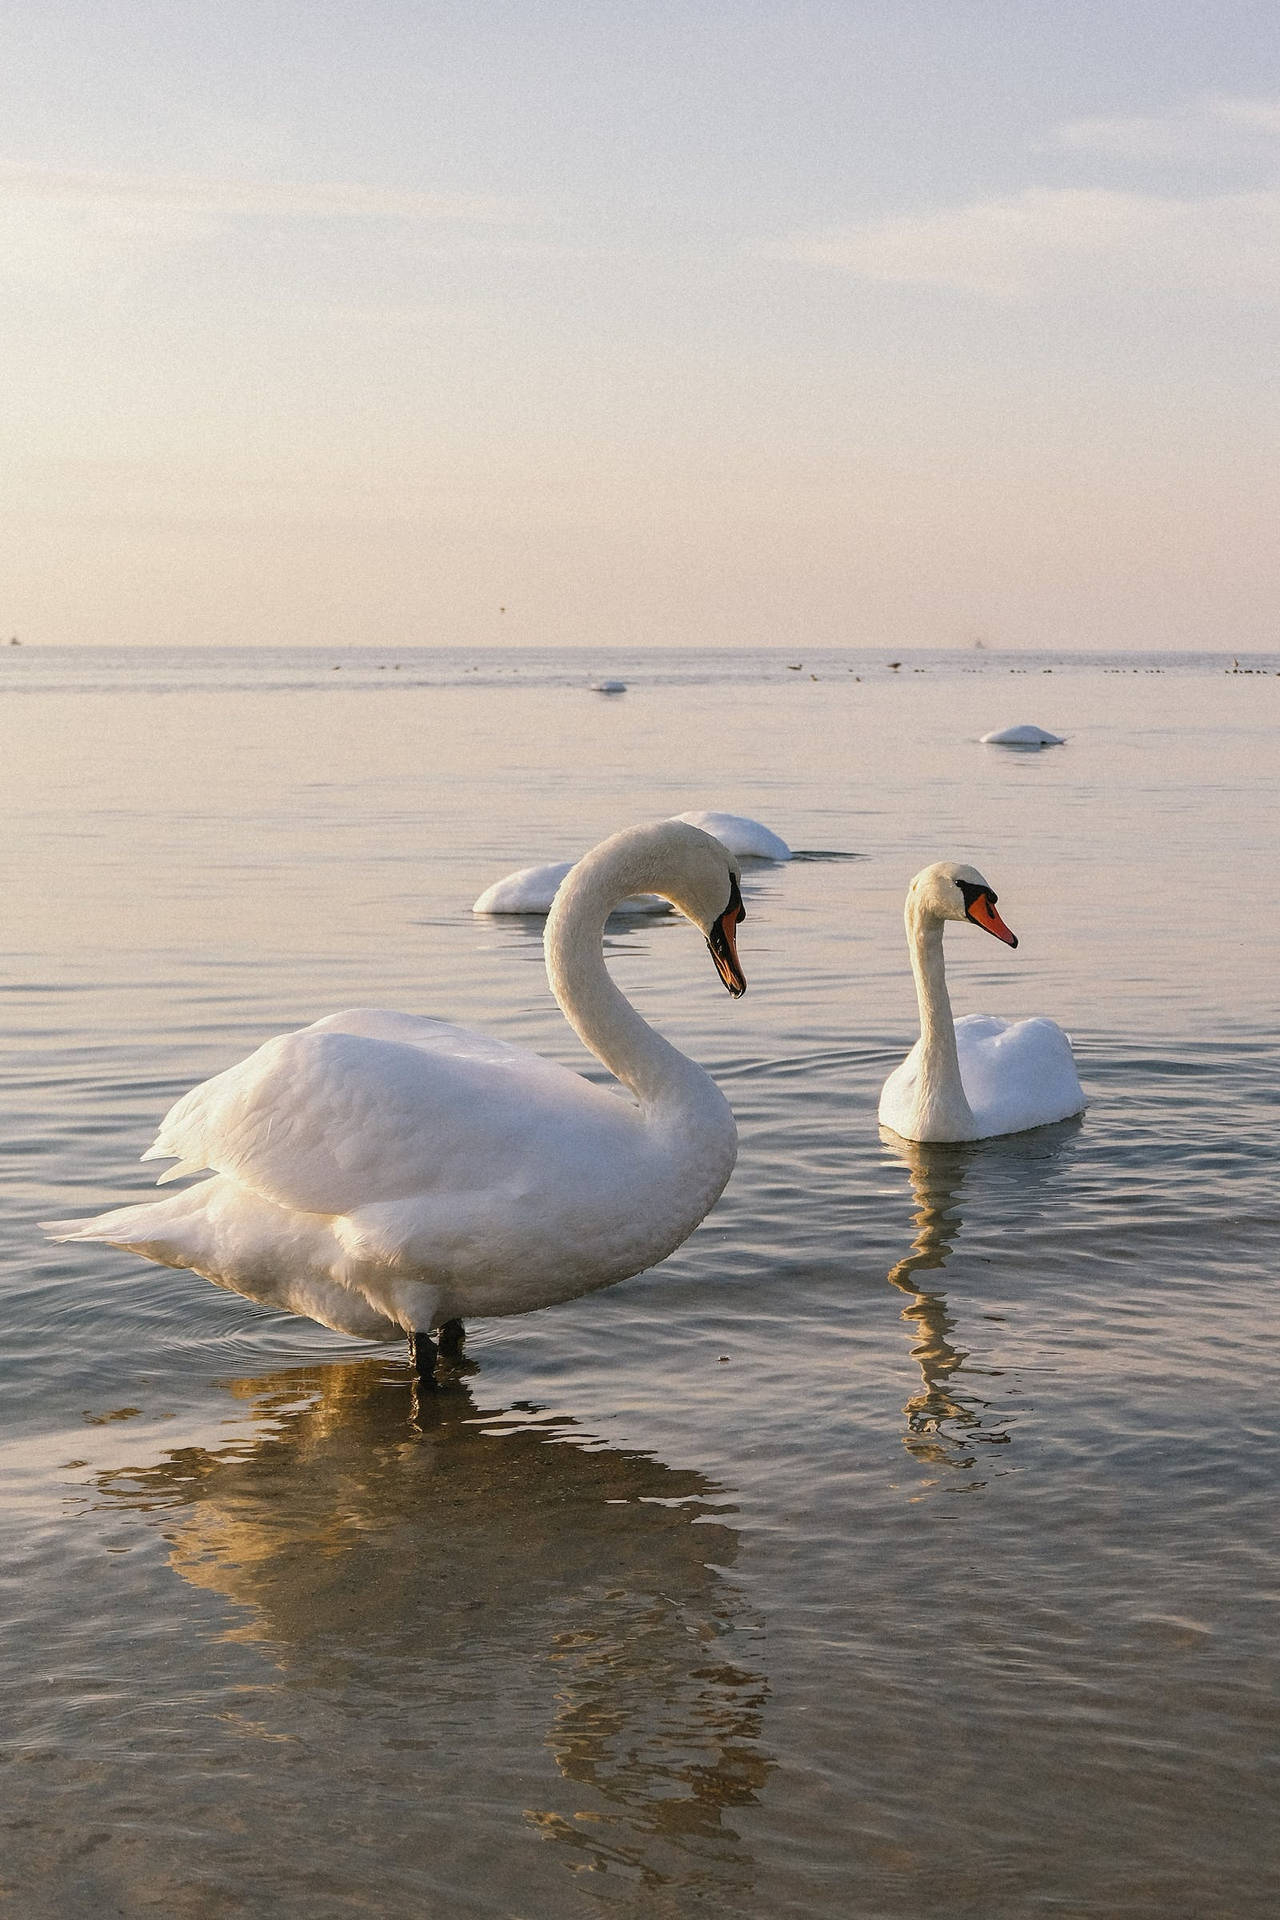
1025	735
745	838
532	890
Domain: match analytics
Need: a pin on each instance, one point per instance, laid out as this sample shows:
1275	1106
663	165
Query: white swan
532	890
745	838
973	1078
1022	736
386	1174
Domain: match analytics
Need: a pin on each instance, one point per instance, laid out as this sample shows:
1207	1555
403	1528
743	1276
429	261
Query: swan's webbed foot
423	1354
451	1336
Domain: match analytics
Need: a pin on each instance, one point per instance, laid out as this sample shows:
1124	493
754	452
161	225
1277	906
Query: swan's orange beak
722	942
983	914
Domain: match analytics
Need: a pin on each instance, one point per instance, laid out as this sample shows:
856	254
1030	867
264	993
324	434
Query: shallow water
904	1545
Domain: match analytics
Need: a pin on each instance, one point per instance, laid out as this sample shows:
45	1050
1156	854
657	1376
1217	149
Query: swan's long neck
658	1074
940	1091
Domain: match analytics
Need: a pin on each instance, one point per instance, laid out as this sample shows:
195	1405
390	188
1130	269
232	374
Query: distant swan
387	1174
977	1077
532	890
1022	736
745	838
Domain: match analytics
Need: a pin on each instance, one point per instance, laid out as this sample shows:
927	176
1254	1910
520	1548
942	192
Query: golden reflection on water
951	1414
498	1560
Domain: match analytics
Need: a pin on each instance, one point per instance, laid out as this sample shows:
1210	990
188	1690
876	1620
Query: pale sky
409	322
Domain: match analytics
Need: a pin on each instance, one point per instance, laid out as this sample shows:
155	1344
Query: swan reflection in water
478	1595
953	1413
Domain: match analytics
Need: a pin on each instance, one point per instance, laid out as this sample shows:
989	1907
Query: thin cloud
59	228
1215	127
239	199
1262	115
1048	241
1134	137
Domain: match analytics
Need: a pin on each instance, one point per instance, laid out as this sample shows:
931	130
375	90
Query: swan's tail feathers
160	1150
154	1229
179	1171
243	1242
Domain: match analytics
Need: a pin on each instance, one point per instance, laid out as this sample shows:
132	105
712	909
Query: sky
697	325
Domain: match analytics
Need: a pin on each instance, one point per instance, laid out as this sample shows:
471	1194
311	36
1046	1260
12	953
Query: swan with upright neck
974	1078
387	1174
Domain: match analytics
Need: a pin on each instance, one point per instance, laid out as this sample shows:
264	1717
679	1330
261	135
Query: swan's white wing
417	1030
530	890
368	1107
744	837
1017	1074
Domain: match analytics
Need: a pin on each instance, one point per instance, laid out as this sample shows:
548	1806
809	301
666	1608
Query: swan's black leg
451	1336
423	1354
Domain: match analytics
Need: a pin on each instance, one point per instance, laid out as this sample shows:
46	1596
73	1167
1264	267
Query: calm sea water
905	1545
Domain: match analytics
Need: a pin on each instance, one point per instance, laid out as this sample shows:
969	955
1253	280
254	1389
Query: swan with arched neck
387	1174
